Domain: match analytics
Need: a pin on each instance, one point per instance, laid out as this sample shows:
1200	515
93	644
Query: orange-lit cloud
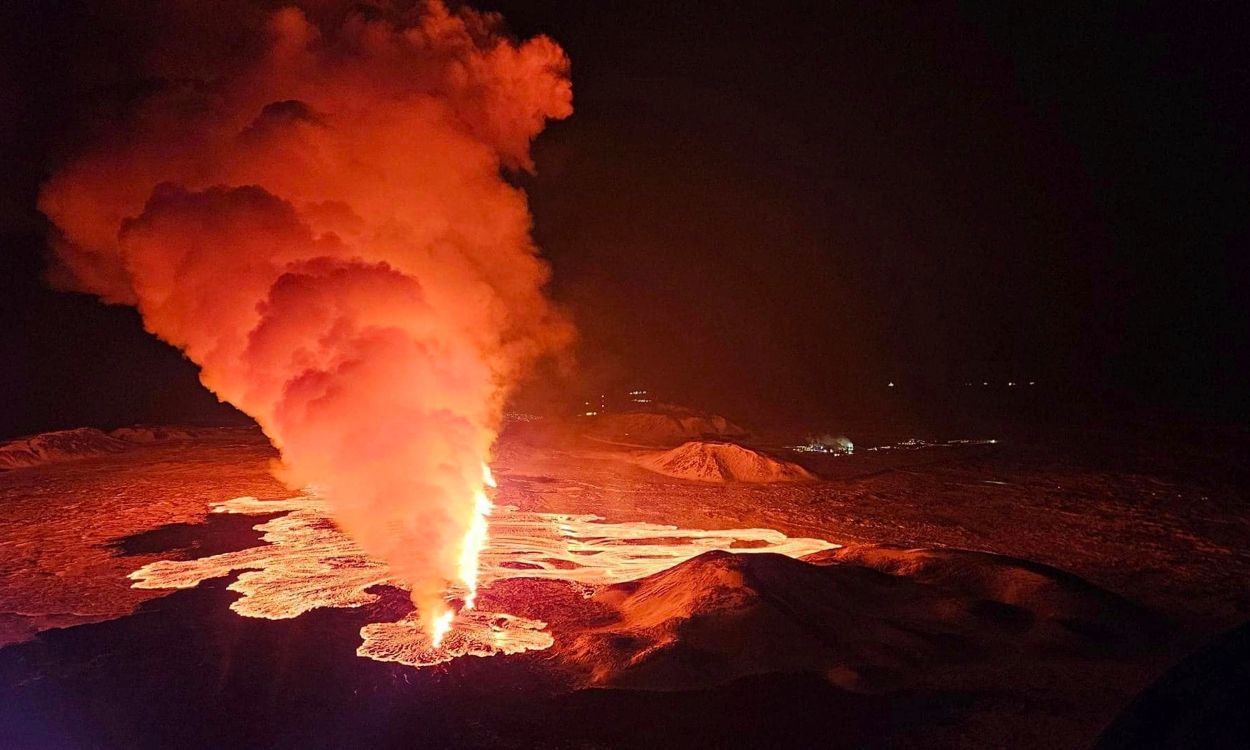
323	228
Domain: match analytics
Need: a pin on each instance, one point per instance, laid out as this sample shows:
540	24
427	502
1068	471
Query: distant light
984	383
1011	384
890	384
1032	382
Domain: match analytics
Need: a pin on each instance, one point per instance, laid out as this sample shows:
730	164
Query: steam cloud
323	228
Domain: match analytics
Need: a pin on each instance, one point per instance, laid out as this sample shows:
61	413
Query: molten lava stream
307	561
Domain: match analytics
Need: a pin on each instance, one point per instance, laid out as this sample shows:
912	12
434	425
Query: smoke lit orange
323	228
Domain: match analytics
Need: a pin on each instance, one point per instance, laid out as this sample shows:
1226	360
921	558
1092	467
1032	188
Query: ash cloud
320	222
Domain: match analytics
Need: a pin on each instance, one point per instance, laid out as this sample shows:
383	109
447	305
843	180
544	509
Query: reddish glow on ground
307	563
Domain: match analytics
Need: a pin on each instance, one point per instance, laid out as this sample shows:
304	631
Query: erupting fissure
470	557
475	540
318	218
306	563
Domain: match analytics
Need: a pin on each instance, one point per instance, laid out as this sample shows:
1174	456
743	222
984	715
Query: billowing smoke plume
323	228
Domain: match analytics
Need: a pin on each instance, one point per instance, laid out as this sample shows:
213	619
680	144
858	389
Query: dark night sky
776	208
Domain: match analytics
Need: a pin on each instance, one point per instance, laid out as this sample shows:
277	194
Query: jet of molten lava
442	624
475	539
321	224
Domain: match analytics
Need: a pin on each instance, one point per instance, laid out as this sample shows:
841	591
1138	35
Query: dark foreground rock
1204	701
868	619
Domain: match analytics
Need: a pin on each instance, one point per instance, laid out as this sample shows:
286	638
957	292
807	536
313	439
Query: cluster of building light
836	446
516	416
985	383
968	383
819	448
844	447
594	408
912	444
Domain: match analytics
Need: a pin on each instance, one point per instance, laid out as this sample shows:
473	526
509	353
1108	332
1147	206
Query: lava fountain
317	217
475	539
470	553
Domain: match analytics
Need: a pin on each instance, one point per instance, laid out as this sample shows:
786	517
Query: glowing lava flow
306	563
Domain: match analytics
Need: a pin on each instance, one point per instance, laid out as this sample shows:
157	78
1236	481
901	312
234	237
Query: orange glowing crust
476	633
308	563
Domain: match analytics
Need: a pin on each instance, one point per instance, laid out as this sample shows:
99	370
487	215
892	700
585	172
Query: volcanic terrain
166	591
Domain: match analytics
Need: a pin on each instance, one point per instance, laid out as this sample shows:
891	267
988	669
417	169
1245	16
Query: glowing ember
308	563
